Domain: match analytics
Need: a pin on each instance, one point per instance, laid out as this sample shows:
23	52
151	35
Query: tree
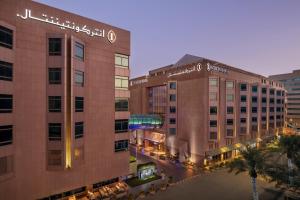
284	167
251	160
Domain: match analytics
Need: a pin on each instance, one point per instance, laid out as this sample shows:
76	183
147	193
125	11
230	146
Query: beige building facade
209	109
63	102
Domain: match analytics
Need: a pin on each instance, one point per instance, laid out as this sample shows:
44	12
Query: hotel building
209	109
291	82
63	102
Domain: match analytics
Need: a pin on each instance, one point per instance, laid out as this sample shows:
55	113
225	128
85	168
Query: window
213	135
229	132
79	127
6	135
6	164
254	99
254	88
79	78
172	121
54	131
213	96
229	121
278	101
272	91
172	97
271	109
54	157
213	82
278	109
243	98
243	130
54	103
6	71
271	100
264	100
121	60
229	97
121	104
213	110
278	92
263	118
254	109
243	109
6	103
243	87
229	84
213	123
230	110
121	145
121	82
121	125
172	131
264	90
254	128
172	109
263	109
271	117
243	120
254	119
6	37
79	104
172	85
54	46
79	51
277	116
54	75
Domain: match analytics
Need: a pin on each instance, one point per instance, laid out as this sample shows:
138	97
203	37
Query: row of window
213	110
55	76
54	104
243	98
214	123
55	48
244	87
55	131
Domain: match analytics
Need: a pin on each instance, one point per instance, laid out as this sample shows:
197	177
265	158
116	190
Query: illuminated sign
216	68
111	36
188	70
140	81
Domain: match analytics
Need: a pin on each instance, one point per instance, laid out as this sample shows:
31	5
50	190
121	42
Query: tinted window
121	125
54	131
54	103
229	110
79	127
6	37
172	109
54	46
6	135
79	50
79	78
243	87
173	85
172	121
121	145
213	110
6	103
243	98
254	88
6	71
54	75
79	104
172	131
121	105
213	123
172	97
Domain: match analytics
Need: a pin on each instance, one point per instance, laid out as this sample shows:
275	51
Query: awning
224	149
155	137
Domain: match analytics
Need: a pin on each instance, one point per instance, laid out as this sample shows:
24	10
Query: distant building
63	102
291	82
209	109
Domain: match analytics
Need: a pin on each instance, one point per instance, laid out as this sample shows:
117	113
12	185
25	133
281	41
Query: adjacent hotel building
209	109
63	102
291	82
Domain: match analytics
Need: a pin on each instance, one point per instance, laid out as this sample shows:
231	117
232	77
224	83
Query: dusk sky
261	36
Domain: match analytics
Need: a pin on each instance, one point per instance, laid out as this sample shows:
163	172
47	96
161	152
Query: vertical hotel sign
94	32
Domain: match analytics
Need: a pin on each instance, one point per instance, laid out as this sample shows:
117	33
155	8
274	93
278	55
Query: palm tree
289	147
251	160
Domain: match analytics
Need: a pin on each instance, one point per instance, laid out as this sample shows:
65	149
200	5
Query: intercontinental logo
111	36
69	25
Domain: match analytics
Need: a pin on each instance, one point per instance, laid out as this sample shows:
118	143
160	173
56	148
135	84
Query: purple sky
261	36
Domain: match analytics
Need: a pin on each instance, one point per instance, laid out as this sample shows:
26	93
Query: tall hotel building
209	109
63	102
291	82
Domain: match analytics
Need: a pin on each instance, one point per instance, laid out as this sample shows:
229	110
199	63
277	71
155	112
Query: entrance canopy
146	121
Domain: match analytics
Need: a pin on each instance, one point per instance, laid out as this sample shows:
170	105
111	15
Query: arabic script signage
188	70
216	68
111	36
140	81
